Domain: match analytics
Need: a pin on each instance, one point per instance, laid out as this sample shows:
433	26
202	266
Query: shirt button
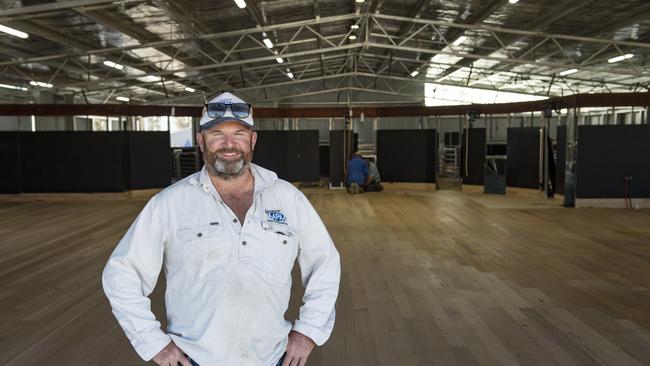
199	235
284	242
243	243
234	220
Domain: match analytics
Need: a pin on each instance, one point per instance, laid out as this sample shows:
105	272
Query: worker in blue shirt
357	174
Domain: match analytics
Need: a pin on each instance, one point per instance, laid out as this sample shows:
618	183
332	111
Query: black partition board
324	158
149	159
302	154
407	155
560	159
523	157
62	161
309	158
474	146
271	152
337	157
497	149
10	181
607	154
292	155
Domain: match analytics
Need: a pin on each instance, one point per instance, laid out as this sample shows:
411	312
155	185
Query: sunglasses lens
216	110
240	110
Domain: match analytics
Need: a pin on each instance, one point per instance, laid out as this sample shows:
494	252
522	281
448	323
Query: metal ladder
449	162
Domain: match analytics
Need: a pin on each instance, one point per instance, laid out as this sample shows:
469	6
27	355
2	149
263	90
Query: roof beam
639	14
559	12
572	101
57	6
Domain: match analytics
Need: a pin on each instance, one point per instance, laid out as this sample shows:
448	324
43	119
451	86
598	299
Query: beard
227	168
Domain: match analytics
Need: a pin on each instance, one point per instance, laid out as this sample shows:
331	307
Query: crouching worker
373	183
357	174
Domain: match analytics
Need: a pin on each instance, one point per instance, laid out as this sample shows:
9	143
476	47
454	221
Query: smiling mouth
230	155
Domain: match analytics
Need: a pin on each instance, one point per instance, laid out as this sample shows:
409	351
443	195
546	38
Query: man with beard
227	238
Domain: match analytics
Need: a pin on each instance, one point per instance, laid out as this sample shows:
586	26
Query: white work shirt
228	283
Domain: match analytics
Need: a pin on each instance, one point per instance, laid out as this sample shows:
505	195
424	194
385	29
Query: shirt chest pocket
280	248
205	251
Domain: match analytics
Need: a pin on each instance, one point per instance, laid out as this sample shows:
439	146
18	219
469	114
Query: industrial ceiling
181	52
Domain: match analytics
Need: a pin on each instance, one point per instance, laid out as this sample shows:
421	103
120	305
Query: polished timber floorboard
429	278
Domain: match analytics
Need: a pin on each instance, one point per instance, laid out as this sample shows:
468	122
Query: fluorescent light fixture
12	87
620	58
13	32
513	1
188	89
568	72
268	43
279	60
123	99
150	78
352	37
354	26
289	74
240	3
415	73
41	84
459	41
359	1
113	65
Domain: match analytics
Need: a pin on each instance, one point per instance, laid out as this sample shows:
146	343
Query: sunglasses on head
218	109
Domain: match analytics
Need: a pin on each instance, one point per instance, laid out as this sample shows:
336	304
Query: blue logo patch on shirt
276	216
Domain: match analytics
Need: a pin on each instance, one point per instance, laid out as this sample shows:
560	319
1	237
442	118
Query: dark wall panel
407	155
473	145
309	158
497	149
293	155
560	147
271	152
10	162
74	162
324	158
149	159
523	157
608	154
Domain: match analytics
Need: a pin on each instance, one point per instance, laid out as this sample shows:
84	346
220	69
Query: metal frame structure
381	60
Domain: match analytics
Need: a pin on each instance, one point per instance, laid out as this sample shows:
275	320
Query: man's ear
253	140
200	141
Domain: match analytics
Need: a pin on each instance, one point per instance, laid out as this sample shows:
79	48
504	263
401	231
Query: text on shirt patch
275	216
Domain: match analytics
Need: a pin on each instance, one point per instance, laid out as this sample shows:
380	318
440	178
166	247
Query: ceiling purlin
453	33
195	28
43	31
203	37
142	35
222	74
324	58
549	18
633	17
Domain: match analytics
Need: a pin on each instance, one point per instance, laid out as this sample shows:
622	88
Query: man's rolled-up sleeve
321	273
131	275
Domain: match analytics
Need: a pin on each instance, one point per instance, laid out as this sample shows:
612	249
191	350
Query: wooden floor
429	278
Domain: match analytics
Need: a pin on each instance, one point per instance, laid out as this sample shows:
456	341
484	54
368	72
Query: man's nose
228	141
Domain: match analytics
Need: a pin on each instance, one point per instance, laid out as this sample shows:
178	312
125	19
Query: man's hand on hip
171	355
298	349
